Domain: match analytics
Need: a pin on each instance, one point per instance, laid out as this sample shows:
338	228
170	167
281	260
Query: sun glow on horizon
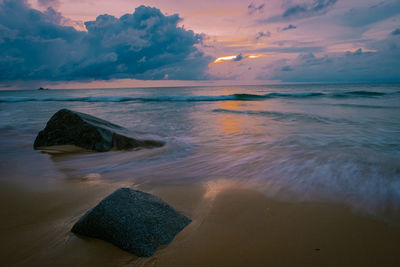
226	58
237	57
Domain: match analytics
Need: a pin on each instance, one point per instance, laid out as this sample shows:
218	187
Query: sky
129	43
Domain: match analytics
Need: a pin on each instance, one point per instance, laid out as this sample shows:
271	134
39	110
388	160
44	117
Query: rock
133	221
67	127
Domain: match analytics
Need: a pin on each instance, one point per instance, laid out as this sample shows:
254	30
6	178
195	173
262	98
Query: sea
294	142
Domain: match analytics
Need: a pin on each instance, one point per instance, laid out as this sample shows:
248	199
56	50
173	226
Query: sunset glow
226	58
258	41
237	58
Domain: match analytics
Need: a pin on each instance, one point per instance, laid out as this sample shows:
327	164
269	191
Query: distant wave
361	94
275	95
234	97
362	106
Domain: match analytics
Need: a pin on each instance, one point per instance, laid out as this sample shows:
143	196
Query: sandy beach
233	225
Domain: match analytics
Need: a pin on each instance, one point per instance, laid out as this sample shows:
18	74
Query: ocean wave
361	106
119	99
362	94
232	97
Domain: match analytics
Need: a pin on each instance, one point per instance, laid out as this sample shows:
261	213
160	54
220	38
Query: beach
285	175
232	226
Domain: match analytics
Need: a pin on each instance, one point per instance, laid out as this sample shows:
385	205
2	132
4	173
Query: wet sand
233	225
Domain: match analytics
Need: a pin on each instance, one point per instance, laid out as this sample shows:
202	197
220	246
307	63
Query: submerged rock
67	127
133	221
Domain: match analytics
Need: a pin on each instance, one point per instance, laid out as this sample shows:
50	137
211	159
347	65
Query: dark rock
133	221
67	127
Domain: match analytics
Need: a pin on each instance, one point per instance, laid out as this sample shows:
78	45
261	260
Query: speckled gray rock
133	221
67	127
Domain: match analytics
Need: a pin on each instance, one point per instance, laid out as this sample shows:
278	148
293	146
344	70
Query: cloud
396	32
55	17
294	11
262	35
238	57
362	16
50	3
381	65
144	45
304	10
252	8
287	68
289	27
289	49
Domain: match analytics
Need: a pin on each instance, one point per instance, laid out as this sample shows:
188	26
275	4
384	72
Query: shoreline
233	225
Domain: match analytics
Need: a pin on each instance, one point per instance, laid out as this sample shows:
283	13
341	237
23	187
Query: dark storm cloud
32	45
142	45
358	17
381	65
